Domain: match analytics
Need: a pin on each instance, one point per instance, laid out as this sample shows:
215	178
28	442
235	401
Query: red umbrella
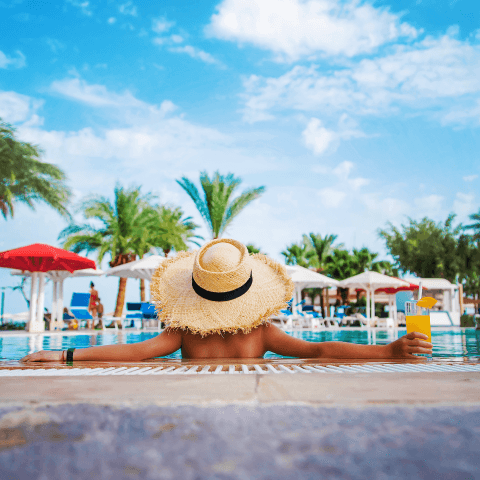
38	259
44	258
407	288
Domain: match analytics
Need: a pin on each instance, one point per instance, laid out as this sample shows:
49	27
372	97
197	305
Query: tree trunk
344	295
122	284
122	288
327	301
142	290
322	303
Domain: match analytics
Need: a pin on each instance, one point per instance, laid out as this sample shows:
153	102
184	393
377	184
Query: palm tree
253	249
24	178
123	231
363	259
167	231
299	254
216	205
475	217
323	247
341	265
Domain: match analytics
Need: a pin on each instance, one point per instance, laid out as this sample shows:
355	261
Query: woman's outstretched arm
167	342
277	341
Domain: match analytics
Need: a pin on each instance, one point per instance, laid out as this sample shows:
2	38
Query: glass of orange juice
418	320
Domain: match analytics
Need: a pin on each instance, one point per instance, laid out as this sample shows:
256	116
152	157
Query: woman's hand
409	344
43	356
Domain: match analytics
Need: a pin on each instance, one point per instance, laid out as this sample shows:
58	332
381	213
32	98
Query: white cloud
94	95
343	169
111	20
464	205
321	169
342	172
152	147
195	53
428	205
12	62
161	25
15	108
84	6
385	208
128	8
55	45
331	197
470	178
322	140
297	28
317	137
433	75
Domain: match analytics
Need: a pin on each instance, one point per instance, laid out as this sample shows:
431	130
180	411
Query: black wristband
70	356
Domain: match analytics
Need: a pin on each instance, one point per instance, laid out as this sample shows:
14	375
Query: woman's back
227	345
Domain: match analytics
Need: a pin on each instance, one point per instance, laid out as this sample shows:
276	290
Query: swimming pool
447	343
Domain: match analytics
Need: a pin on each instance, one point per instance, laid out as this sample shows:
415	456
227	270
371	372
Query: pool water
448	343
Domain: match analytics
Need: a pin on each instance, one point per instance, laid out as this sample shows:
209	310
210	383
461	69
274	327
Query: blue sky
350	113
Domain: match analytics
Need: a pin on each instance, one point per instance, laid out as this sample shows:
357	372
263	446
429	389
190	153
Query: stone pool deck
348	426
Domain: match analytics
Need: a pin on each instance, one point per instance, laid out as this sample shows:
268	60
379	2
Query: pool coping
347	390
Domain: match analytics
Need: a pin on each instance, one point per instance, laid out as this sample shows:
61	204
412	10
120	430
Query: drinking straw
419	290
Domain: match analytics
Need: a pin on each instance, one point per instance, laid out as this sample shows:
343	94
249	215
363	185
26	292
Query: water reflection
461	343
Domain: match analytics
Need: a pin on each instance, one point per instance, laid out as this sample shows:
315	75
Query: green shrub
467	321
13	326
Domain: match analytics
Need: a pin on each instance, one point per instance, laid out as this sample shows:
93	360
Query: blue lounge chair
79	308
130	319
149	313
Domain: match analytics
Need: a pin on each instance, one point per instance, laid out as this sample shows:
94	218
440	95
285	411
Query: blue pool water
460	343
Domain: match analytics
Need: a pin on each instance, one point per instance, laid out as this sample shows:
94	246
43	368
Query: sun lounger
150	314
130	319
79	308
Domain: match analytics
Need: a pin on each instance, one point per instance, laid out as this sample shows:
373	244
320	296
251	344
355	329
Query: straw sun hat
220	288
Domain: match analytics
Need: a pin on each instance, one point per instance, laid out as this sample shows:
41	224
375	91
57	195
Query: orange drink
420	324
417	317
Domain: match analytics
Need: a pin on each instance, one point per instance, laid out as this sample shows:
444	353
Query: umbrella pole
53	318
60	304
394	302
368	305
39	325
294	301
373	303
33	300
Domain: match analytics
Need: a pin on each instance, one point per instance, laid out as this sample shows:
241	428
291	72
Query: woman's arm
279	342
167	342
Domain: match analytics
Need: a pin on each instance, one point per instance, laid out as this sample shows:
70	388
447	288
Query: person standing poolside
217	302
92	305
99	325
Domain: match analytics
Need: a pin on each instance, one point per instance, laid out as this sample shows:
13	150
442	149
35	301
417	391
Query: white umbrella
57	277
143	268
305	278
370	281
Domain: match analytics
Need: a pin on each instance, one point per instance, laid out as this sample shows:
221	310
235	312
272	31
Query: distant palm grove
131	224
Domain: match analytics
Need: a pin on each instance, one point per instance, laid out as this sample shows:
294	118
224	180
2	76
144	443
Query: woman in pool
216	303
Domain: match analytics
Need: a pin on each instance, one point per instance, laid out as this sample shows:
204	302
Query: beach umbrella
305	278
40	259
392	298
143	268
140	269
58	277
371	281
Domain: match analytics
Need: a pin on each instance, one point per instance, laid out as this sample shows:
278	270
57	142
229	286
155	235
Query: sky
351	113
